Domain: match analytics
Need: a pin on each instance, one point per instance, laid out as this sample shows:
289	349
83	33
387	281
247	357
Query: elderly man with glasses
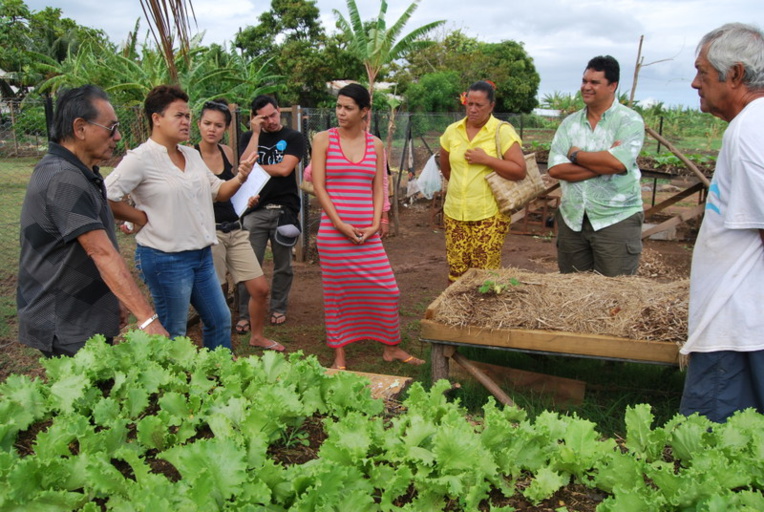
72	281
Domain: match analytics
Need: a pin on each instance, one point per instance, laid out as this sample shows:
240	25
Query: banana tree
376	45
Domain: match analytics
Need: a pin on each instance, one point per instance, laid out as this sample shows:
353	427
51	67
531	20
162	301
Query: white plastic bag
430	179
412	188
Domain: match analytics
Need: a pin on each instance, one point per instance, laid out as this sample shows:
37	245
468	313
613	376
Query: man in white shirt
726	325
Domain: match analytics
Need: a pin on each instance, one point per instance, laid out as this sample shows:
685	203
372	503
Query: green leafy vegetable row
153	424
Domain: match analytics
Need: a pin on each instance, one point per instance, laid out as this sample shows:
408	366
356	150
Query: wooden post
484	379
637	67
439	362
233	133
686	161
13	129
397	184
295	124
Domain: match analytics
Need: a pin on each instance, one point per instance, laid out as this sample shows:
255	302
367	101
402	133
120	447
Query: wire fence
411	139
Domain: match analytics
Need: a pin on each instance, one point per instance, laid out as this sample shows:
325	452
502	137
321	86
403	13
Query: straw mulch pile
653	264
626	307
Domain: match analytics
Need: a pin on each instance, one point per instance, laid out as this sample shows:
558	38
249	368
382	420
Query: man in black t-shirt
280	150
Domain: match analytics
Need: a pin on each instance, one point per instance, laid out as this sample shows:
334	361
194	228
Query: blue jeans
177	279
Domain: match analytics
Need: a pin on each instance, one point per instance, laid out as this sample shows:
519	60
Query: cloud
560	35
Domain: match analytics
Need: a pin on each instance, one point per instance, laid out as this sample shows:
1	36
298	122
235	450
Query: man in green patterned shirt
594	155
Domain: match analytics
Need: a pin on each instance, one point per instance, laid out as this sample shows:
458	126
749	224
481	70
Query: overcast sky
560	35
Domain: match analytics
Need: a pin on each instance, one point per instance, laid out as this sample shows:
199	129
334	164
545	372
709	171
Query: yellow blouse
469	197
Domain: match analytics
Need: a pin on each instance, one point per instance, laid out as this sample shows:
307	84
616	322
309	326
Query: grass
611	387
14	175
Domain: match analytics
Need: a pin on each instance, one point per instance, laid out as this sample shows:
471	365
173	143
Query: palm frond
413	40
169	19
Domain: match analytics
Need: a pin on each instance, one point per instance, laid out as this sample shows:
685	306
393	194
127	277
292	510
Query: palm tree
168	19
377	46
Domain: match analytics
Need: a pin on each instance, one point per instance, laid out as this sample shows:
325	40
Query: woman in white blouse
173	192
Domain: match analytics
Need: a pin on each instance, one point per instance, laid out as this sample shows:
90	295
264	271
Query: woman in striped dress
360	293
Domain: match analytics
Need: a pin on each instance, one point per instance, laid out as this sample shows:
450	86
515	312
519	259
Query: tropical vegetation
287	53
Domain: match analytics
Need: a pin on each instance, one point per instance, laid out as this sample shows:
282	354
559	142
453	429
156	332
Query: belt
227	227
273	207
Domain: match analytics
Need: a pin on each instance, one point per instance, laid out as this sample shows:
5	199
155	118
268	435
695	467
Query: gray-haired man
71	276
726	326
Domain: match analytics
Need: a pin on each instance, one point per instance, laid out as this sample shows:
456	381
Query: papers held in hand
252	187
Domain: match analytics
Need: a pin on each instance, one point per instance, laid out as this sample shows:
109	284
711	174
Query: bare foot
266	344
339	359
396	353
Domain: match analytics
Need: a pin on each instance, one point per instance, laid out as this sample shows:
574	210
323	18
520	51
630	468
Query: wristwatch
574	157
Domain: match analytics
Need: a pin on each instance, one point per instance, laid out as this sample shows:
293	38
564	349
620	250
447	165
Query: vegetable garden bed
153	424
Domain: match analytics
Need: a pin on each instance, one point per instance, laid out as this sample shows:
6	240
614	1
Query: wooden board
382	386
563	343
563	391
693	212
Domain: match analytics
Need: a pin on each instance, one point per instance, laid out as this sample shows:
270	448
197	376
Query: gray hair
74	104
733	43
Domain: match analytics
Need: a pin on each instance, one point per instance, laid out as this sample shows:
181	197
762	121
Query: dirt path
417	255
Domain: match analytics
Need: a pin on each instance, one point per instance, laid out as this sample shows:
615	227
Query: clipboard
252	187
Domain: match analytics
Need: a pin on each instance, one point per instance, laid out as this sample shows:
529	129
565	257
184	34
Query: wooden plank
686	161
674	199
563	343
484	379
563	391
675	221
382	386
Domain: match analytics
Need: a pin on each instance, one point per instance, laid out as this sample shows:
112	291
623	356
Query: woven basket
512	195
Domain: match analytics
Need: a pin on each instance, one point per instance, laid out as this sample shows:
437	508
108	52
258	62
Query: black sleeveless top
224	211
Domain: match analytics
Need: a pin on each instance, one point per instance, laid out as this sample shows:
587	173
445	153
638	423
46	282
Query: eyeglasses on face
112	129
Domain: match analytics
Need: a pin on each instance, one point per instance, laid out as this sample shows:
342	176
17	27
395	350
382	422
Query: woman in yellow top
475	228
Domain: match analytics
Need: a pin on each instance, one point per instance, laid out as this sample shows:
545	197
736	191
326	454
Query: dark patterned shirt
272	147
61	294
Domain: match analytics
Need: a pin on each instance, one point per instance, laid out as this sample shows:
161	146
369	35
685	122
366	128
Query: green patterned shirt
610	198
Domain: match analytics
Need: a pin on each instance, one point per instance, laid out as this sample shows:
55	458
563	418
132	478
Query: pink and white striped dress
360	293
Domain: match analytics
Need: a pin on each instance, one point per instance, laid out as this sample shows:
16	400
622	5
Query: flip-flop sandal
242	327
278	318
275	346
410	360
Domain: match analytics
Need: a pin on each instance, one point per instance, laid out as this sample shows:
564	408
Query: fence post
13	127
233	133
48	114
295	112
396	218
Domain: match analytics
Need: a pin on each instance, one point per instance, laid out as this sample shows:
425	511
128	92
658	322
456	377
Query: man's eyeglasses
112	129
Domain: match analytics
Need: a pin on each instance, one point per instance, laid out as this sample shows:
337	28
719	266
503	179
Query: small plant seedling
497	288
